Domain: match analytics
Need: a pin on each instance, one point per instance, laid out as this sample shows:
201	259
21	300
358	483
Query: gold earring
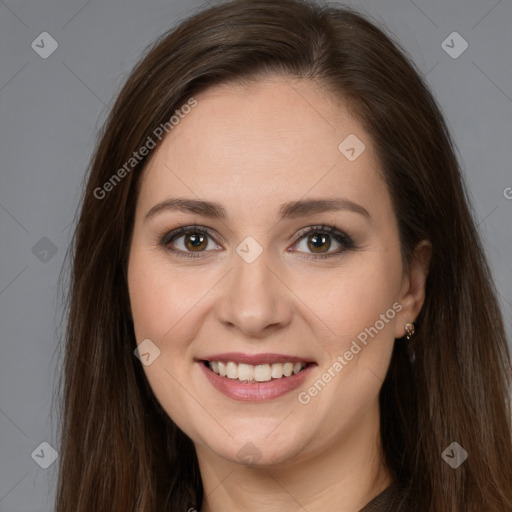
409	330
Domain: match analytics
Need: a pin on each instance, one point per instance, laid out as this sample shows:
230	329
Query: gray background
51	110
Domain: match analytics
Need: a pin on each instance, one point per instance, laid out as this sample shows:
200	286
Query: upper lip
255	359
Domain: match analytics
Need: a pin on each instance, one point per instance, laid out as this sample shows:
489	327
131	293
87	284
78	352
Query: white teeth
277	370
222	369
232	370
258	373
245	372
262	373
287	369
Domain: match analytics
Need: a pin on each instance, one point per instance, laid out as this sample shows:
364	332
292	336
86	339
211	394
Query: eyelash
342	238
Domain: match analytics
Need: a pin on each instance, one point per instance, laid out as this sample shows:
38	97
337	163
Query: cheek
160	297
161	303
360	310
349	301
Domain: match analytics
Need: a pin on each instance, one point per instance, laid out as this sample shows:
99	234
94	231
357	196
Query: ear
412	291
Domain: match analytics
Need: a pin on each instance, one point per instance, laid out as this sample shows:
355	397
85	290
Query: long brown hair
119	449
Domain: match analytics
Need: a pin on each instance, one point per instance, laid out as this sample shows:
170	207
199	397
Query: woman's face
251	291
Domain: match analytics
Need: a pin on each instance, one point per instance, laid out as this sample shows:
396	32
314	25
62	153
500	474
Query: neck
343	477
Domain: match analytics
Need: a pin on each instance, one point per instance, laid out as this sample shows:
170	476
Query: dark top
387	501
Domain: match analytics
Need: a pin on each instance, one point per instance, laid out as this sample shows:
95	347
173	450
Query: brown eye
195	241
317	240
186	241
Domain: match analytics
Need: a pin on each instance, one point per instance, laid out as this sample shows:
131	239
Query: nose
254	299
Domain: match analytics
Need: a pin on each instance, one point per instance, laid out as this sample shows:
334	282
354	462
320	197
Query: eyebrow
290	210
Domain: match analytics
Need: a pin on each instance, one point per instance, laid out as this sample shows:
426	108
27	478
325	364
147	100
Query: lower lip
257	391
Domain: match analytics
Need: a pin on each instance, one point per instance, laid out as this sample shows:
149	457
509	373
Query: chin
255	450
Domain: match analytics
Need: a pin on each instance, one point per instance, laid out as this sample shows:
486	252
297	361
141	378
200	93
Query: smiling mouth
250	374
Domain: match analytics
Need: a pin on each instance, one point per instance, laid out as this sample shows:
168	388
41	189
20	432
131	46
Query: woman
279	299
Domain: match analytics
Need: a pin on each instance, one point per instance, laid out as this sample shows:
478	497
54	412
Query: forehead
252	146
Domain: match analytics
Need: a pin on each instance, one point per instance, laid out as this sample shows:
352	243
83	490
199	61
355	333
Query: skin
252	148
